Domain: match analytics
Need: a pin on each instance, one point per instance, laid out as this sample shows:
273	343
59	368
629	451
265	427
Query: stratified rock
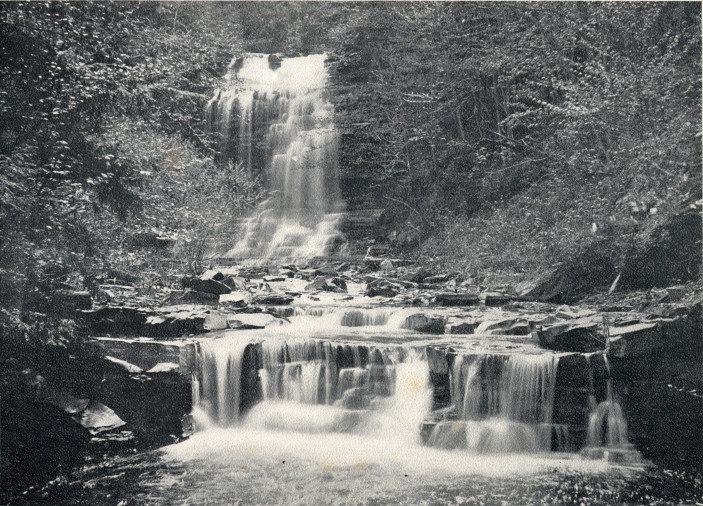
273	299
215	321
457	299
436	279
354	398
62	303
582	335
245	321
635	340
496	298
191	297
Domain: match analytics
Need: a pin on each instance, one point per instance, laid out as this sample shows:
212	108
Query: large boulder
591	269
671	254
205	285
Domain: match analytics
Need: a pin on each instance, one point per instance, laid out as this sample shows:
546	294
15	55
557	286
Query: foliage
540	126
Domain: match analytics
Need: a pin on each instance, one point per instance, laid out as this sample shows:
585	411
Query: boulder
235	299
321	284
588	270
386	265
215	321
97	417
495	298
425	324
235	283
383	288
212	274
583	335
671	254
205	285
462	328
635	340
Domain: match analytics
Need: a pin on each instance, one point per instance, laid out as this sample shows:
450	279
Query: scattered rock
235	299
192	297
386	265
235	283
383	288
437	279
321	284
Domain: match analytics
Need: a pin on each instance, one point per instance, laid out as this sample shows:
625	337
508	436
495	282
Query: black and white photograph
351	253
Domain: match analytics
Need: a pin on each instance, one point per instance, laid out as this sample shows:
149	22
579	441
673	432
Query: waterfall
274	119
314	386
505	402
606	422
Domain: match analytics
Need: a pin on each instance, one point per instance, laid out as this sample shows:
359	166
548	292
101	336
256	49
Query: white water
283	128
506	402
606	422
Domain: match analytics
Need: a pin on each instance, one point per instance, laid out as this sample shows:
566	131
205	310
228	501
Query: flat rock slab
635	340
457	299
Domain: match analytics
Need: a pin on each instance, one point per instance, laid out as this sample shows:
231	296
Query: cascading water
504	402
607	427
274	118
316	386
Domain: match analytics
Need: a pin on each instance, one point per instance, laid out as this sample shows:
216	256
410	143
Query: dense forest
504	138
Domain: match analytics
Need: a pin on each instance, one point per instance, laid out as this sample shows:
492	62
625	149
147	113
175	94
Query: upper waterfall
275	119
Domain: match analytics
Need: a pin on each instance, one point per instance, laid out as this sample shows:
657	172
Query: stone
245	321
117	276
354	398
381	288
457	299
274	279
126	366
437	279
340	282
495	298
386	265
273	299
212	274
235	299
582	335
321	284
164	367
215	321
635	340
97	417
235	283
670	255
192	297
425	324
205	285
588	270
462	328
